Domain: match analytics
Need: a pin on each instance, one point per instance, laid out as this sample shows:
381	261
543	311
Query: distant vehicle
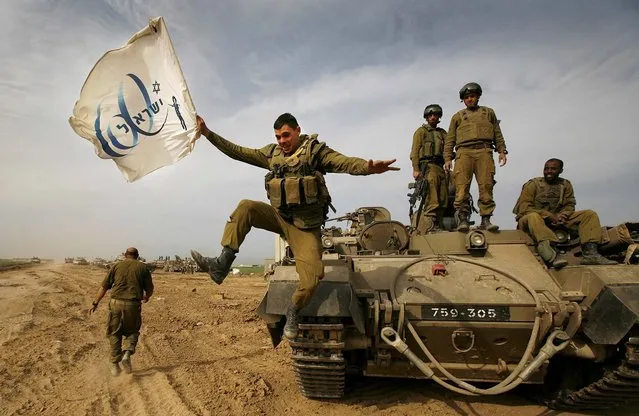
35	260
68	259
81	261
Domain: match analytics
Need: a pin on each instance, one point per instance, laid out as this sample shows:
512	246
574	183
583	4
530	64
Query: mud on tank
465	308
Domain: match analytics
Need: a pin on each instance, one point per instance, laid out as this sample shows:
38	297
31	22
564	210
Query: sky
563	78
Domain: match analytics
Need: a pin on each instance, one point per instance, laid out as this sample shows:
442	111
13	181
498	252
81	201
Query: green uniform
128	281
428	147
298	199
539	199
473	134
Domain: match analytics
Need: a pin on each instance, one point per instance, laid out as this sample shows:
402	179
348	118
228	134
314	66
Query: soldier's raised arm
255	157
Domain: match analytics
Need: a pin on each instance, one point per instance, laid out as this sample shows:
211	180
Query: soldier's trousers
306	244
123	327
586	221
478	162
437	191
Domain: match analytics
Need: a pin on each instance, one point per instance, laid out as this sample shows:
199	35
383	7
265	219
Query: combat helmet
433	108
471	87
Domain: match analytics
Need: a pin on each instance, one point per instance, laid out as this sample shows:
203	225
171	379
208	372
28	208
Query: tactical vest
295	186
548	197
475	126
432	144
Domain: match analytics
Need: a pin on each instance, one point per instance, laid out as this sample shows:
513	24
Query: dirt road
202	351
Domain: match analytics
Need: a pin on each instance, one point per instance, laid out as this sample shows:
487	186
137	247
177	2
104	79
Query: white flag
135	106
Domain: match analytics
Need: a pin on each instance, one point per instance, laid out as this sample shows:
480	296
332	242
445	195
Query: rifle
420	191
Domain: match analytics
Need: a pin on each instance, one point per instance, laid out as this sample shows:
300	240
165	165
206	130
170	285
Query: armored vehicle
462	308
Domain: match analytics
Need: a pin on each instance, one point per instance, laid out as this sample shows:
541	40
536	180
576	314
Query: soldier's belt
126	301
476	145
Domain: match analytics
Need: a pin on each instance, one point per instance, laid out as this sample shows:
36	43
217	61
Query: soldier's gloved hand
416	174
381	166
502	159
448	166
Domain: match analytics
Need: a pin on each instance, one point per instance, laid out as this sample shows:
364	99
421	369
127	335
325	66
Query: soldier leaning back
427	154
131	285
473	133
299	202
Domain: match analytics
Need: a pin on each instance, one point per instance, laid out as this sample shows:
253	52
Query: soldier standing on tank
427	152
299	202
131	285
473	134
550	200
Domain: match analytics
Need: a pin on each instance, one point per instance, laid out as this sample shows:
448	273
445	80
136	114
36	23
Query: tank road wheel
318	358
576	384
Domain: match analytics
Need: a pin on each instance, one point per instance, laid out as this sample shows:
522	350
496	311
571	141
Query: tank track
618	387
318	359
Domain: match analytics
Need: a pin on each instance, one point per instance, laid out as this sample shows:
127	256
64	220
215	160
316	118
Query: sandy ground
202	351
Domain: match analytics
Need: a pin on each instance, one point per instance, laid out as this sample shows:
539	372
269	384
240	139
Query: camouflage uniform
473	133
539	199
299	201
428	147
128	281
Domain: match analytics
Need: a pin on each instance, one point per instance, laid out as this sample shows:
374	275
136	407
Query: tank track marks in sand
318	359
618	388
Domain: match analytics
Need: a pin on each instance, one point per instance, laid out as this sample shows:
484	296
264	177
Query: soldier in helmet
473	134
550	200
299	201
427	152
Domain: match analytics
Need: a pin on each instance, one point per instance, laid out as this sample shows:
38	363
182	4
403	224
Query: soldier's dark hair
561	162
285	119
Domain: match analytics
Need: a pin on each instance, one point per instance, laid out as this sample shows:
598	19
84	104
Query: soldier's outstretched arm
255	157
332	161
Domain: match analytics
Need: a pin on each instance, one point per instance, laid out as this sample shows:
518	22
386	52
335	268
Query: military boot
217	267
115	369
462	222
550	256
292	320
591	255
487	225
126	362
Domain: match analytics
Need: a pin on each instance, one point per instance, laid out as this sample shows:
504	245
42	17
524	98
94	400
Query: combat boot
591	256
487	225
115	369
126	362
462	221
550	256
292	320
217	267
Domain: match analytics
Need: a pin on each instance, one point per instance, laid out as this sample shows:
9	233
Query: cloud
562	77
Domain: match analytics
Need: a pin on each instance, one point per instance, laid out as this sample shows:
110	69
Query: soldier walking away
131	285
473	134
299	202
550	200
427	155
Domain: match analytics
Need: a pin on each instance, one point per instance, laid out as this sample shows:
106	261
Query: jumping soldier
131	285
427	155
550	200
299	202
473	134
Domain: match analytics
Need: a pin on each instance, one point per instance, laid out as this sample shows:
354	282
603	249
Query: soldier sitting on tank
550	200
427	156
299	202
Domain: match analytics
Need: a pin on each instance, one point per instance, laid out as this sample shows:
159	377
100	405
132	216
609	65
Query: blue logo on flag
131	126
